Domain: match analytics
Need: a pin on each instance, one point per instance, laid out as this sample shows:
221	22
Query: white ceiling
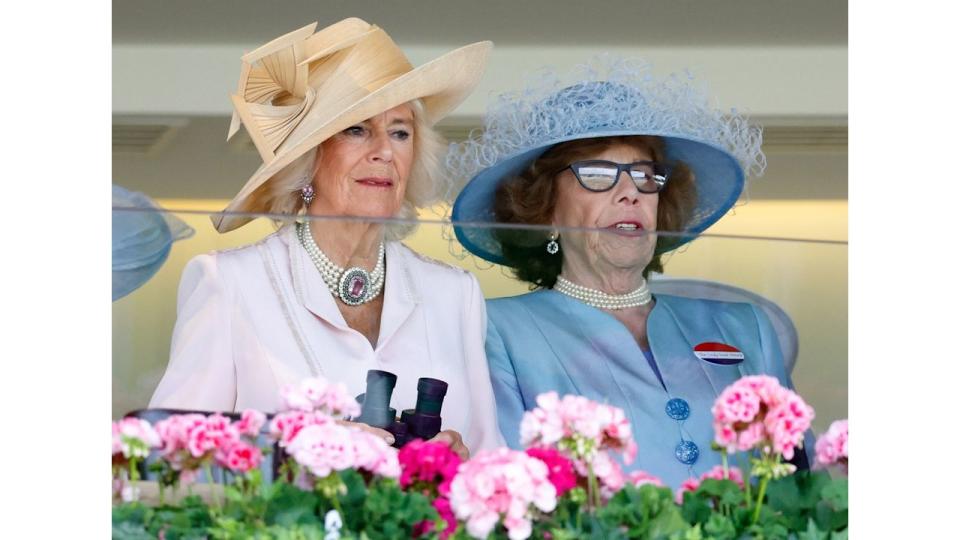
506	22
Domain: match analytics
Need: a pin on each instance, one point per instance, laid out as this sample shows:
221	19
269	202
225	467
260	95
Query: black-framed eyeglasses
602	175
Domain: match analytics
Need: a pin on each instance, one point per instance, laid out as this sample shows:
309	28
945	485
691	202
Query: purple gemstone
357	285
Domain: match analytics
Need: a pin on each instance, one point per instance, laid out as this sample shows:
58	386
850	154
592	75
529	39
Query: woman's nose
626	191
381	149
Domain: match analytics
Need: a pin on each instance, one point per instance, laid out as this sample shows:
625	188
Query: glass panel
803	281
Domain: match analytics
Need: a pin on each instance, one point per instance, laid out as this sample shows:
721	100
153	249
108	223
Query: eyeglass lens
649	177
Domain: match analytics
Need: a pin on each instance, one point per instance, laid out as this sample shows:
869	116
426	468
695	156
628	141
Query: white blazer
253	319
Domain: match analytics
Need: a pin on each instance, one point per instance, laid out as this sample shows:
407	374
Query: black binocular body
421	422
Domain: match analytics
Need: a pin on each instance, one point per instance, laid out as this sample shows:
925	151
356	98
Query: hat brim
442	84
718	176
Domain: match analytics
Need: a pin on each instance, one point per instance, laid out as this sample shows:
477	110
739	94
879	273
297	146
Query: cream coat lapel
401	293
309	287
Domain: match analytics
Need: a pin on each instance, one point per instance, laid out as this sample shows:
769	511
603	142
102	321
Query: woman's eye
401	134
355	131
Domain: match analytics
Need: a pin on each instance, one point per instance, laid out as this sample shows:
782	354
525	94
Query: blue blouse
545	341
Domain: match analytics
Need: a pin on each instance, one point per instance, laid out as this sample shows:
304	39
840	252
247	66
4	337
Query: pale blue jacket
546	341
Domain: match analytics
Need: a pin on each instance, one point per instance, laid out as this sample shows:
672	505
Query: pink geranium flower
316	394
133	437
583	430
250	423
498	485
215	433
240	457
832	446
639	478
327	447
371	453
756	412
286	425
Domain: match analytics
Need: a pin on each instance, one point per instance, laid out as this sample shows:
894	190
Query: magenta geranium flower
431	467
559	468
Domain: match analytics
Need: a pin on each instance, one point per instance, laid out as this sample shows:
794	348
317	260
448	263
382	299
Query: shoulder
692	306
232	263
525	299
430	275
735	317
509	310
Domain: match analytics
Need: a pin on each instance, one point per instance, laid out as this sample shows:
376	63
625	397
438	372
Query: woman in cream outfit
344	125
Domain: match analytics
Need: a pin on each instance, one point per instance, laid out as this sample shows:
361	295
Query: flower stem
593	488
134	473
748	483
763	488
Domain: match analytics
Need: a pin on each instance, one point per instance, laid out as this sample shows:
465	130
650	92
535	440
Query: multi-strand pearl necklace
592	297
353	286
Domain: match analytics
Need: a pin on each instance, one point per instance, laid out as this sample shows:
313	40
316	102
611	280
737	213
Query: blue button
687	452
678	409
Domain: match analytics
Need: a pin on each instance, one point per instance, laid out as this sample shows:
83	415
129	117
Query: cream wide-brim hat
304	87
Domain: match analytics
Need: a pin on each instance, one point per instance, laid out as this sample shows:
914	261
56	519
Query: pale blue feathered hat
142	236
608	97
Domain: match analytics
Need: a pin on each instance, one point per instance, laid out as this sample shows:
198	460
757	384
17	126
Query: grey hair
428	183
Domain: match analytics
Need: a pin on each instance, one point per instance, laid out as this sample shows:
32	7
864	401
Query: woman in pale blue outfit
604	163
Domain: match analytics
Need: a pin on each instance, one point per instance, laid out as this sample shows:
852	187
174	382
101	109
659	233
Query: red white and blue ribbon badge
718	353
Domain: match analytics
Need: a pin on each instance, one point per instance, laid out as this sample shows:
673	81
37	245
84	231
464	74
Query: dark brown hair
530	198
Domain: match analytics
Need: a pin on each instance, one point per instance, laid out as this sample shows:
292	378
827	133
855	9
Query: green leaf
696	508
720	527
291	505
645	512
812	532
835	494
389	512
130	531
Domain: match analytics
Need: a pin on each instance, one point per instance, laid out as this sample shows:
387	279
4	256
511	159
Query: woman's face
623	216
363	170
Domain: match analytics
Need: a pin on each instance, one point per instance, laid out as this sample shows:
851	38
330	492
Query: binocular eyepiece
421	422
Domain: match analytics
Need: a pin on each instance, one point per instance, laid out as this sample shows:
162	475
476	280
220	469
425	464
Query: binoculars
421	422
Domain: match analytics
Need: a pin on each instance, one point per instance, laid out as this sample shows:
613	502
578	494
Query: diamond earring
307	194
552	246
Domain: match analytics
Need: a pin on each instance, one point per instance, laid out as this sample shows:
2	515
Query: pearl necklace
353	286
592	297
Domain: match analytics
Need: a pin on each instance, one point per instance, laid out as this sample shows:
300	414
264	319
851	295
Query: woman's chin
637	253
375	212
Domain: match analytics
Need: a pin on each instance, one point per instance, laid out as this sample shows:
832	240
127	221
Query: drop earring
552	246
307	194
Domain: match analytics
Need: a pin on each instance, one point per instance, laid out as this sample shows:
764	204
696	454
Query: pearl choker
592	297
353	286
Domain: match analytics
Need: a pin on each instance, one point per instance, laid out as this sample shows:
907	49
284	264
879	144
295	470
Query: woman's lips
627	228
375	182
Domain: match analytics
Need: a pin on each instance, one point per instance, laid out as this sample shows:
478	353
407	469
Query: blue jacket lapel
673	338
